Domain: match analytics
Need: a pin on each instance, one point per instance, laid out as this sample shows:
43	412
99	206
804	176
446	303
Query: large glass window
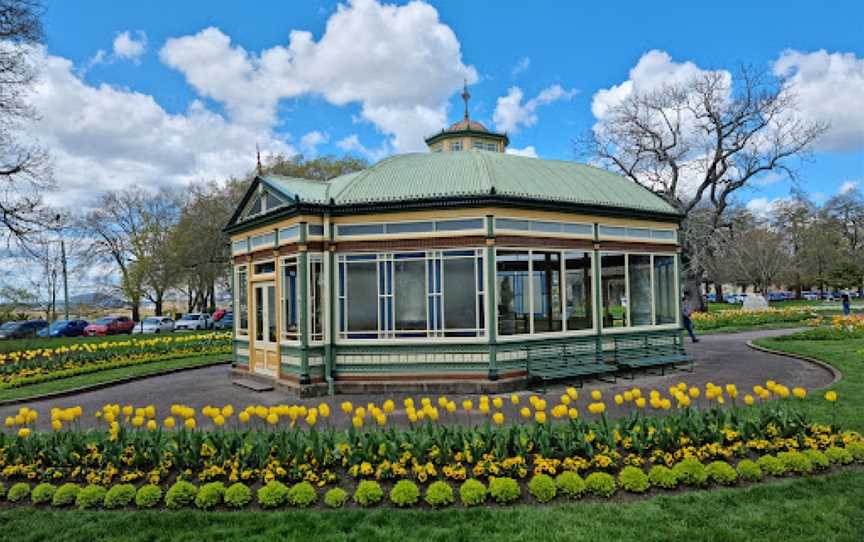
665	296
362	298
613	279
546	284
639	274
241	296
290	299
513	293
578	297
460	301
316	279
411	295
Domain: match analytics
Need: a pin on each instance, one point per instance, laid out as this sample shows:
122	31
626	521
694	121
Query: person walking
686	311
847	306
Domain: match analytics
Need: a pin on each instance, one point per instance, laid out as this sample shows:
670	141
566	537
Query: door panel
265	357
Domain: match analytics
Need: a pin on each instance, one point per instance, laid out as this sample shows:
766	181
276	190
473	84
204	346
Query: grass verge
814	508
35	391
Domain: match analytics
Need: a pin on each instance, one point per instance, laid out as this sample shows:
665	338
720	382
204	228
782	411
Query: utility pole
65	280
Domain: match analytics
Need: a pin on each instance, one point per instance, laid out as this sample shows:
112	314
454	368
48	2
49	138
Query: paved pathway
720	358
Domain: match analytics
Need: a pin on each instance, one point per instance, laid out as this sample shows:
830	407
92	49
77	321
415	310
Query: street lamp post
65	280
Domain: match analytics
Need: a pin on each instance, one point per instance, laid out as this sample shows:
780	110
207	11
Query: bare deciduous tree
699	142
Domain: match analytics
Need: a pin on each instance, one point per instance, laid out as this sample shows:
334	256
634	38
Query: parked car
193	321
154	324
226	322
810	296
109	325
21	329
64	328
219	314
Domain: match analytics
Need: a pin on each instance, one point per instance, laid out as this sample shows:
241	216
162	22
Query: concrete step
254	385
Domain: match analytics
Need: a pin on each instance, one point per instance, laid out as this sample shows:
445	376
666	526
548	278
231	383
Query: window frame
238	269
676	284
284	337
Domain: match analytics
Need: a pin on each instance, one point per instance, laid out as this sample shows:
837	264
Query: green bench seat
651	351
560	361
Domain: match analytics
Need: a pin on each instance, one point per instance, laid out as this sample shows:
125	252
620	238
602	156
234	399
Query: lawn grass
844	355
101	377
53	342
825	508
739	329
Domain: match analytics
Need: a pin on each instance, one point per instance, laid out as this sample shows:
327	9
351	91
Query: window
456	225
636	233
513	293
360	229
639	277
290	299
578	297
265	267
291	233
240	246
316	230
316	280
396	228
455	145
613	281
262	202
484	146
259	241
546	285
665	297
412	294
544	226
241	296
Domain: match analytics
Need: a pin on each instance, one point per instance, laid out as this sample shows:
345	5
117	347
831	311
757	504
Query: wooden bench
652	350
557	361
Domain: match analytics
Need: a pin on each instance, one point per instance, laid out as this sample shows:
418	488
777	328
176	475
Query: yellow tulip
150	411
525	412
565	399
189	423
572	393
227	411
56	425
357	422
831	396
596	395
799	393
640	402
498	418
628	396
219	420
24	432
389	406
347	407
573	413
619	400
137	421
273	418
168	422
151	425
694	392
748	400
324	410
514	399
498	402
467	405
451	407
243	416
311	419
540	416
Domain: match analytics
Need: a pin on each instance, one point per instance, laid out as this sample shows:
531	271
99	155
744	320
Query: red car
110	325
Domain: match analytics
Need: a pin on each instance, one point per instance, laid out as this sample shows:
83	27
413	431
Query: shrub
838	455
722	473
662	476
148	496
181	494
504	489
633	479
796	462
91	496
336	497
368	492
302	495
439	494
18	492
272	495
570	484
771	465
2	490
237	495
818	459
404	493
472	492
210	495
749	470
855	448
65	494
119	496
690	472
43	493
542	487
601	484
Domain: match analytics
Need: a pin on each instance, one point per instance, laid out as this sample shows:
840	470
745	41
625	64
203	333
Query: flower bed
840	328
290	455
705	321
27	367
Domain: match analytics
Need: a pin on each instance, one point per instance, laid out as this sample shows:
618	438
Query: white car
193	321
154	324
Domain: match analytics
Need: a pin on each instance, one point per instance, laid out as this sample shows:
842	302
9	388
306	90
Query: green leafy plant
722	473
794	461
771	465
273	495
18	492
857	450
148	496
42	493
302	495
439	494
472	492
238	495
570	484
840	456
690	472
504	490
601	484
180	495
210	495
542	487
404	493
65	494
749	470
336	497
2	490
119	496
662	476
368	493
818	459
633	479
91	496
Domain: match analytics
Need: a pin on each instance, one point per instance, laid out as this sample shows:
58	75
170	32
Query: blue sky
172	104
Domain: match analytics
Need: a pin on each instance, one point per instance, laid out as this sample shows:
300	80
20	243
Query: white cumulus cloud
511	113
847	187
529	151
310	141
130	47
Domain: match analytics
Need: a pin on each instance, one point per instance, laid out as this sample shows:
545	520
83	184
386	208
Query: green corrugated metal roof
469	173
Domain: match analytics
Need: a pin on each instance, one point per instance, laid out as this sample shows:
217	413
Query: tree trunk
718	292
136	311
158	304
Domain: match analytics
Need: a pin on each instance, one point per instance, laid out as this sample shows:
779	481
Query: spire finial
258	153
465	97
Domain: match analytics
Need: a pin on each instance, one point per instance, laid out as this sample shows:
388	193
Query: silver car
193	321
154	324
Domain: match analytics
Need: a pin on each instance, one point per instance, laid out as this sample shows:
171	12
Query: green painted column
303	303
598	292
332	303
491	302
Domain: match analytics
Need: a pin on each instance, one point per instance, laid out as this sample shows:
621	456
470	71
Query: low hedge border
518	491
